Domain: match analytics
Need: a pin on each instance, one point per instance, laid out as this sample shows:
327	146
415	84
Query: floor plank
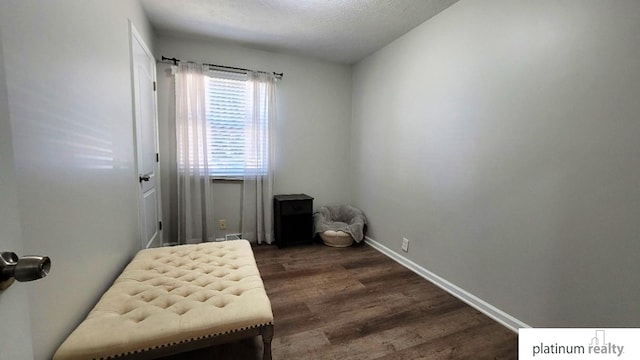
356	303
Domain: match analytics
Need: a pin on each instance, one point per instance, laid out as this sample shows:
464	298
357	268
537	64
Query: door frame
134	36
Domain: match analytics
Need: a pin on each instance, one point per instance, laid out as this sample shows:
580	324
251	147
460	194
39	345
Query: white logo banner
579	343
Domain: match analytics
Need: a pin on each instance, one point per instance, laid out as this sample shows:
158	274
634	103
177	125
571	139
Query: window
233	131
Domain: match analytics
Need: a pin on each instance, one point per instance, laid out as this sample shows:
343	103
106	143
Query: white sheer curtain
195	208
257	190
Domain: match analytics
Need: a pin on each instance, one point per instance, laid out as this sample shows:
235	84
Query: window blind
226	109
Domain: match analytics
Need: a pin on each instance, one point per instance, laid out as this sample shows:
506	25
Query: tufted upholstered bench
174	299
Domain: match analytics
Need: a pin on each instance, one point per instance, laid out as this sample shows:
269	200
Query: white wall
312	129
69	89
501	138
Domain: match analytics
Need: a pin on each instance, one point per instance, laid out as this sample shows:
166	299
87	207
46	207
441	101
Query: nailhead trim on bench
182	342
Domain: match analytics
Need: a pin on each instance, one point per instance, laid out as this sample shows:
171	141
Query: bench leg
267	335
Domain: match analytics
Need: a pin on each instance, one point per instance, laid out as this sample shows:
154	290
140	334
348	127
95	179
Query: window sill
226	179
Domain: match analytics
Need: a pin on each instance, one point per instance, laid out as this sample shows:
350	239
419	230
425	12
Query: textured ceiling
337	30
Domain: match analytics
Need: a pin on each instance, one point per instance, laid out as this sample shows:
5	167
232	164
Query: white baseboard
484	307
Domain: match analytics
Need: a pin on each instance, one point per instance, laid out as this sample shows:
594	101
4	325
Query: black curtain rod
175	62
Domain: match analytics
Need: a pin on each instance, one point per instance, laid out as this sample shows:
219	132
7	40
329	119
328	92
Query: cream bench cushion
172	295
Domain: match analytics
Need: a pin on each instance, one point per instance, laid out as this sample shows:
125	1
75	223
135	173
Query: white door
144	76
15	331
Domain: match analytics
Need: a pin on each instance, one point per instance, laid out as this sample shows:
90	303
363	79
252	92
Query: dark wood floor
355	303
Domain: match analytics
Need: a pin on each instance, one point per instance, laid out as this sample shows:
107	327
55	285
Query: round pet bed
336	238
340	225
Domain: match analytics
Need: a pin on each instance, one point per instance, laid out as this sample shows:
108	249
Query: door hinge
160	225
157	157
154	86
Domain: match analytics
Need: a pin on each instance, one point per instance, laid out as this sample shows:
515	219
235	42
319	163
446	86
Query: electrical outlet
222	224
405	244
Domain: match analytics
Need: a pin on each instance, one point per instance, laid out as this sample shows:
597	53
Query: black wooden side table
293	217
